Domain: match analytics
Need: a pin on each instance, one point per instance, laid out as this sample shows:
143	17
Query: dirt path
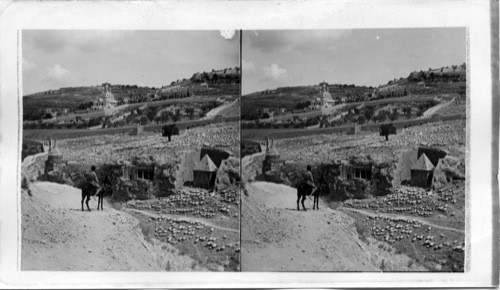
215	111
57	235
184	218
431	111
277	237
389	215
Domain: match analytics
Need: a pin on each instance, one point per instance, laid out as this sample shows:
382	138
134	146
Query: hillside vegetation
446	82
116	105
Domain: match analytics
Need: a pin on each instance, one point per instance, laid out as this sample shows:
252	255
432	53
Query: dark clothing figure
91	187
307	188
309	180
94	180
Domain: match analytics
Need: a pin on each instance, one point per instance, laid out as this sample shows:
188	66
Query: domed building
327	99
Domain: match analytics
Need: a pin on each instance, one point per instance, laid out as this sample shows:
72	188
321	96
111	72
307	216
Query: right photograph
354	145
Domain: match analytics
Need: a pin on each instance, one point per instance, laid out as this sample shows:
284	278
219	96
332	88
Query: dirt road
216	111
277	237
57	235
431	111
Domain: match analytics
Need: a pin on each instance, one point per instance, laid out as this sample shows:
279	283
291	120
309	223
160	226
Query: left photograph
130	150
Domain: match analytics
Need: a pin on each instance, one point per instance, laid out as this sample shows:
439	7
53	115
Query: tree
368	112
190	113
394	114
151	113
407	112
383	115
177	115
164	117
144	120
386	130
169	131
361	119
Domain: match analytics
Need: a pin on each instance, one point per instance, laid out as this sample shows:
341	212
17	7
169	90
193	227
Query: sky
370	57
66	58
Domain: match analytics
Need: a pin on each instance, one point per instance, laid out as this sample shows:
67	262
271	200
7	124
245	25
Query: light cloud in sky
359	56
247	66
28	66
274	71
299	40
86	41
56	74
89	57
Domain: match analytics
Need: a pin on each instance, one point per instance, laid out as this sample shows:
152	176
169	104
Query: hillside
296	100
79	100
62	98
110	106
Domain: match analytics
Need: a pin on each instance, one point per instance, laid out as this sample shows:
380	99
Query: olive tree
386	130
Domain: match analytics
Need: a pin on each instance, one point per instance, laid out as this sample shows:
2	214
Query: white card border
247	15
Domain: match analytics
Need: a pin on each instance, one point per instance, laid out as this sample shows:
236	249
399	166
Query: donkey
100	198
302	191
88	190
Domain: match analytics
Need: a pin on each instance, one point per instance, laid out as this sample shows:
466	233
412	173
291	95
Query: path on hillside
431	111
205	222
215	111
390	215
277	237
57	235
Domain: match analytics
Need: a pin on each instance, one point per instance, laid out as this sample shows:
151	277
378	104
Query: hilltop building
326	98
109	103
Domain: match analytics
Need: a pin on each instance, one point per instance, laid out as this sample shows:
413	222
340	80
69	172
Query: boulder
448	169
228	174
